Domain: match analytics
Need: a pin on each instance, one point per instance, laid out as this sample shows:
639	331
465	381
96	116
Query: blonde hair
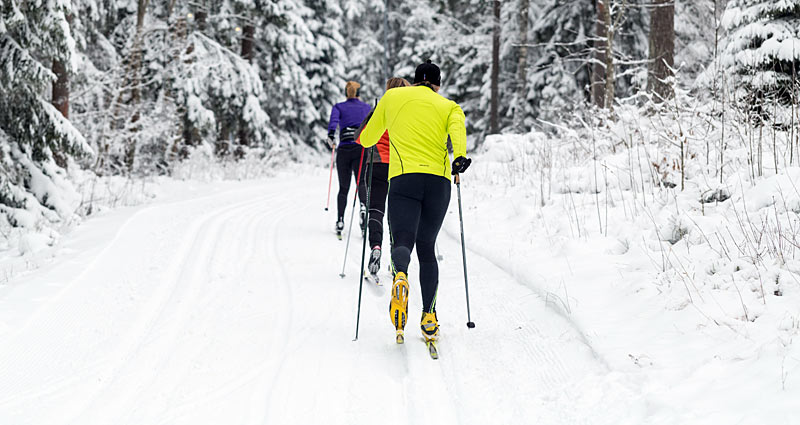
351	89
396	82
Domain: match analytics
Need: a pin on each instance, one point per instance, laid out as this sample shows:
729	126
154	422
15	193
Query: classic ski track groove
201	239
53	304
254	217
235	267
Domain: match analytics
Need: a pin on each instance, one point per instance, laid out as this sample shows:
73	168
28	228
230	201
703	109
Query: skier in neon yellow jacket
419	121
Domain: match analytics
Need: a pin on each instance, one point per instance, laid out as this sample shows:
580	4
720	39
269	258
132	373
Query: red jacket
383	148
382	153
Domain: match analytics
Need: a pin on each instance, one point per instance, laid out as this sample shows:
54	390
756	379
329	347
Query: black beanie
428	72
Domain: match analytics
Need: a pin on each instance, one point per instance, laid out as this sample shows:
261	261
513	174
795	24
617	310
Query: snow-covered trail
227	308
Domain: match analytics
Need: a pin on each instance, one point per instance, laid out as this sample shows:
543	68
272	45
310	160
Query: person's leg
377	203
434	208
404	211
405	204
343	170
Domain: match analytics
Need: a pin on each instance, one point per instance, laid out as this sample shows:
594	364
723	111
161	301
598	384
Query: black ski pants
377	202
348	163
417	206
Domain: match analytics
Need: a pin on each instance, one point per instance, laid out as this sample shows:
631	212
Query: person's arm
362	125
376	126
334	122
456	128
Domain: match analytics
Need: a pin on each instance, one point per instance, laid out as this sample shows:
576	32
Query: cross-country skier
380	188
347	116
419	121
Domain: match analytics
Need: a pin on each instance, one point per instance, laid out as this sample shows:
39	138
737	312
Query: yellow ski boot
398	306
429	326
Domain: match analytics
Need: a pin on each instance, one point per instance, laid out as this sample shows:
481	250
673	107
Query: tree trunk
522	65
247	42
598	69
201	17
136	51
61	88
493	125
662	49
247	53
61	85
609	51
135	80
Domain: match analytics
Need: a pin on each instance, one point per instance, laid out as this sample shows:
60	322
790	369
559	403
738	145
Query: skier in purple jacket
347	116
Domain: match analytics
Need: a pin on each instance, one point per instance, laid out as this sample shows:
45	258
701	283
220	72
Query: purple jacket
347	116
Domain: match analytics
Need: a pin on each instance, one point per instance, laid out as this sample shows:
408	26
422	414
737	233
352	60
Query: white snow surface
221	303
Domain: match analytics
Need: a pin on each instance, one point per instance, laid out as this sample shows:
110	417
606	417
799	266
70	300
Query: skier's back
419	121
347	116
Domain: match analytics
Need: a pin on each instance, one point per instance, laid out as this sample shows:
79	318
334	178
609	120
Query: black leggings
347	164
417	206
377	202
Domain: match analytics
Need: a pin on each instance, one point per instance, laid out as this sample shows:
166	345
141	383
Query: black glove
331	142
461	164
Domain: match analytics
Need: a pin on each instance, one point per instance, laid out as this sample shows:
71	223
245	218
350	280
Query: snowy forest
631	215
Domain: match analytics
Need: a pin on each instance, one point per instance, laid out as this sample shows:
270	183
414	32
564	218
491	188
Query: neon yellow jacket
418	121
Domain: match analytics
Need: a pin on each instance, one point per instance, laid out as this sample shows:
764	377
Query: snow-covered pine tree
457	37
465	77
221	92
301	62
560	74
325	68
763	45
364	46
694	37
514	105
36	141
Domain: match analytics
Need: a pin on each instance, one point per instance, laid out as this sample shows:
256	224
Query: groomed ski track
226	307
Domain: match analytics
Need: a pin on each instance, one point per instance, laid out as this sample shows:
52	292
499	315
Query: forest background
136	88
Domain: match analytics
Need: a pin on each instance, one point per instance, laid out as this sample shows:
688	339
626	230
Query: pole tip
326	208
471	325
341	275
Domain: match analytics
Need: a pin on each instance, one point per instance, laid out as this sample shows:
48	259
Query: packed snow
220	302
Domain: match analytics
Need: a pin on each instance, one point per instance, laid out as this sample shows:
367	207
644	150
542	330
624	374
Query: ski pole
364	241
470	323
352	212
457	179
330	178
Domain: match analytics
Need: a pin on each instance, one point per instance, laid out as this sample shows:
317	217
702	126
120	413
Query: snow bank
694	292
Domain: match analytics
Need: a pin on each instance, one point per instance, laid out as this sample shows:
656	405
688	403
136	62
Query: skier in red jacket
380	187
